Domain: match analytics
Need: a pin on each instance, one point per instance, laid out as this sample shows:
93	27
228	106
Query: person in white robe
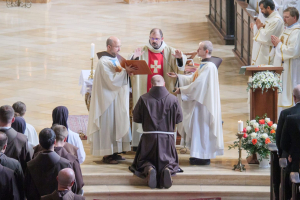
200	97
161	59
273	25
20	110
287	55
108	125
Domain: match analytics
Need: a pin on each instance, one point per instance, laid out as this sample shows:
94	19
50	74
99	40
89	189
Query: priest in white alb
108	125
161	59
287	55
202	124
273	25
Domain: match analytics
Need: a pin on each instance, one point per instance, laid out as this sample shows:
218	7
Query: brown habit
41	173
62	195
8	187
17	147
69	147
14	165
157	110
75	165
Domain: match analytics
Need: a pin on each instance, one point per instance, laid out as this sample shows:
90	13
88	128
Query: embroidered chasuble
156	63
160	61
287	55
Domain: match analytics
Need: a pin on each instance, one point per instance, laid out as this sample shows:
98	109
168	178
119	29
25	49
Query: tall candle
92	50
240	127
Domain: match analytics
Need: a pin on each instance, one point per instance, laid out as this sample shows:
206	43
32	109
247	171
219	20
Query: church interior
44	49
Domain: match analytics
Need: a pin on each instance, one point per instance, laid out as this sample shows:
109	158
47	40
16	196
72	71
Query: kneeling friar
158	111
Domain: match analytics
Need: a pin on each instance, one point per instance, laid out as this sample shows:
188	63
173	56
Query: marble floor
43	50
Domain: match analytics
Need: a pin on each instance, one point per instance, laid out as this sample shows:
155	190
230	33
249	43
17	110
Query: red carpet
78	123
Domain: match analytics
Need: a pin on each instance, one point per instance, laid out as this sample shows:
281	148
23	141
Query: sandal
118	157
109	160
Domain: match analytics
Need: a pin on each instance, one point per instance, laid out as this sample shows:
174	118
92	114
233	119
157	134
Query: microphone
172	70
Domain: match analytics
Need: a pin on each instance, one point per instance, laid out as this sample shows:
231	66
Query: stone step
182	192
237	178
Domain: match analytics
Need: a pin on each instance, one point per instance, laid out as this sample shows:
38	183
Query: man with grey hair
161	59
287	55
108	125
201	128
156	158
65	180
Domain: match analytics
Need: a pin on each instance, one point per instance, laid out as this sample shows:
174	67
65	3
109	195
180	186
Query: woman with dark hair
60	116
19	125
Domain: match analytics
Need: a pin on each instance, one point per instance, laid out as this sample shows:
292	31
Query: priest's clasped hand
177	54
130	69
259	24
275	40
137	53
172	75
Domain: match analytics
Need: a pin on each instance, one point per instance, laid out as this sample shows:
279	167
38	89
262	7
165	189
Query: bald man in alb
108	126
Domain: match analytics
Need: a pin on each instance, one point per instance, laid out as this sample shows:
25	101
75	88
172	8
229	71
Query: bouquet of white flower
265	80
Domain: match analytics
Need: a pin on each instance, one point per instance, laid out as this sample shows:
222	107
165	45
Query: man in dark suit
282	118
290	141
17	145
12	164
41	173
65	179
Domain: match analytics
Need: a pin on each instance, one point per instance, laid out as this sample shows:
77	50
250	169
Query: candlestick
92	50
239	166
240	126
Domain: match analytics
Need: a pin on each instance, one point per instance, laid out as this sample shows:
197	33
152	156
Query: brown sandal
109	160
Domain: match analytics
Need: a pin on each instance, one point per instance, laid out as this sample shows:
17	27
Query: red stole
156	65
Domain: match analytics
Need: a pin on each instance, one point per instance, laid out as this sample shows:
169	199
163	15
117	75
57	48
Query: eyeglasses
155	39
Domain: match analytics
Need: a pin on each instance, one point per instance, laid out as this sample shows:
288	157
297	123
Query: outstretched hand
172	75
137	53
177	54
177	91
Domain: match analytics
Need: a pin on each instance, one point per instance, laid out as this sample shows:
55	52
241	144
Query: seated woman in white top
20	110
60	116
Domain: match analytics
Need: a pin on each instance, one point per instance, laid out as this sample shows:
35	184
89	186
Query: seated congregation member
12	164
61	133
279	132
8	185
156	158
40	176
65	180
60	116
30	132
199	94
17	145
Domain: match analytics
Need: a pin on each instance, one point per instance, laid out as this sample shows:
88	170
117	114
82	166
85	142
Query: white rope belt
149	132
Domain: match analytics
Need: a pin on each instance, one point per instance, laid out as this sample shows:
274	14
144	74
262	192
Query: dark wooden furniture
221	16
244	15
266	102
273	149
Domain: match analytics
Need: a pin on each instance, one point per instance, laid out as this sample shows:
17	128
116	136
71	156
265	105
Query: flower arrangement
257	135
265	80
